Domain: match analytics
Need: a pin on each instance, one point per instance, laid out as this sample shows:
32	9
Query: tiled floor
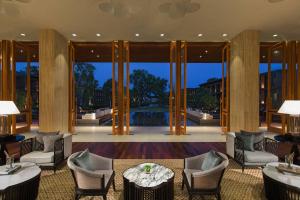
146	134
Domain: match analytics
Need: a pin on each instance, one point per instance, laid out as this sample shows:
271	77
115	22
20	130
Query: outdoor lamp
7	108
292	108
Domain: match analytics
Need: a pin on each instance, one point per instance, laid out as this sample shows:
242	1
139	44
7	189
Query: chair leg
104	197
243	167
77	196
182	184
114	184
219	196
190	197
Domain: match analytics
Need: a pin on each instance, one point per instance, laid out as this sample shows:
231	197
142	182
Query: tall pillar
53	81
291	58
244	81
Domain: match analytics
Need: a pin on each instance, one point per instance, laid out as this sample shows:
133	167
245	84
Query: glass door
276	87
225	106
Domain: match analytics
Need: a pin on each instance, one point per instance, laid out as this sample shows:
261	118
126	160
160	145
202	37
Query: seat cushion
260	157
38	157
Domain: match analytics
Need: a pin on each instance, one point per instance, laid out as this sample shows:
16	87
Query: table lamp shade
8	108
290	107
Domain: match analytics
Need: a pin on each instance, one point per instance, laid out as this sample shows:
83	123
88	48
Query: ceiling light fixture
92	50
224	34
98	34
206	51
162	35
137	35
23	34
275	35
74	34
98	56
200	35
200	56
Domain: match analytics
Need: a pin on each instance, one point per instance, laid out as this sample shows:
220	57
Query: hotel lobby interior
149	100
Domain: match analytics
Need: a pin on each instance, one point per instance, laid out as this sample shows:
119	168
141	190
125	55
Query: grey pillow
211	160
40	135
49	142
248	140
258	136
84	161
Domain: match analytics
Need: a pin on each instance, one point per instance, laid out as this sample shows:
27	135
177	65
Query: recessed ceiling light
98	34
200	56
224	34
276	52
74	34
21	51
137	35
275	35
92	50
200	35
263	56
162	35
206	51
98	56
33	55
23	34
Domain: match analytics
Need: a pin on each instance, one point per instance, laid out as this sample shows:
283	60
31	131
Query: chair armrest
194	162
26	146
230	144
239	145
271	145
67	145
102	163
58	150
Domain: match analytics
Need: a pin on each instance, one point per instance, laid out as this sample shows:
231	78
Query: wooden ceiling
203	52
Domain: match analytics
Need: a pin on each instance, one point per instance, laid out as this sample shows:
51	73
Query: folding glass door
120	88
177	97
276	87
225	106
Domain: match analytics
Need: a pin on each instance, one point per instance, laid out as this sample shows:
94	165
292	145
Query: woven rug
235	184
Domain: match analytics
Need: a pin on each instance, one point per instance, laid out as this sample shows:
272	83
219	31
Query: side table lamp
292	108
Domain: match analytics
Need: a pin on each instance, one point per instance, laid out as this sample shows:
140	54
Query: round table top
25	173
283	177
158	175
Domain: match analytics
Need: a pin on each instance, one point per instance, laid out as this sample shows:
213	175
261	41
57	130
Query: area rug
235	185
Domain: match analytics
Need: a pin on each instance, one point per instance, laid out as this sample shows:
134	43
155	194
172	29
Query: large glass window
204	93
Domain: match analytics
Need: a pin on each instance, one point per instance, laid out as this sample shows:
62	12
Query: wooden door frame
225	99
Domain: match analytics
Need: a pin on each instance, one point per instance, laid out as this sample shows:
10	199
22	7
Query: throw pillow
40	135
211	160
258	141
248	140
84	161
49	142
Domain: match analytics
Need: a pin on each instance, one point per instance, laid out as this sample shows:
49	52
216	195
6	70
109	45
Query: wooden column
53	81
244	81
178	89
291	70
298	76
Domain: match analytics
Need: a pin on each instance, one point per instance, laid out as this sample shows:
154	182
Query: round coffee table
23	184
280	185
156	185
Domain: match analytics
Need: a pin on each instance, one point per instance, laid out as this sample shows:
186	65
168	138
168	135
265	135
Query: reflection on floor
146	134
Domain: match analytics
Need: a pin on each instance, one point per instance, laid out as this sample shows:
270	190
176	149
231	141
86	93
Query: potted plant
147	169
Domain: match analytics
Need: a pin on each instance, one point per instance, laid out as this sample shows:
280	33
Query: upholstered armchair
207	182
92	182
265	150
33	151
